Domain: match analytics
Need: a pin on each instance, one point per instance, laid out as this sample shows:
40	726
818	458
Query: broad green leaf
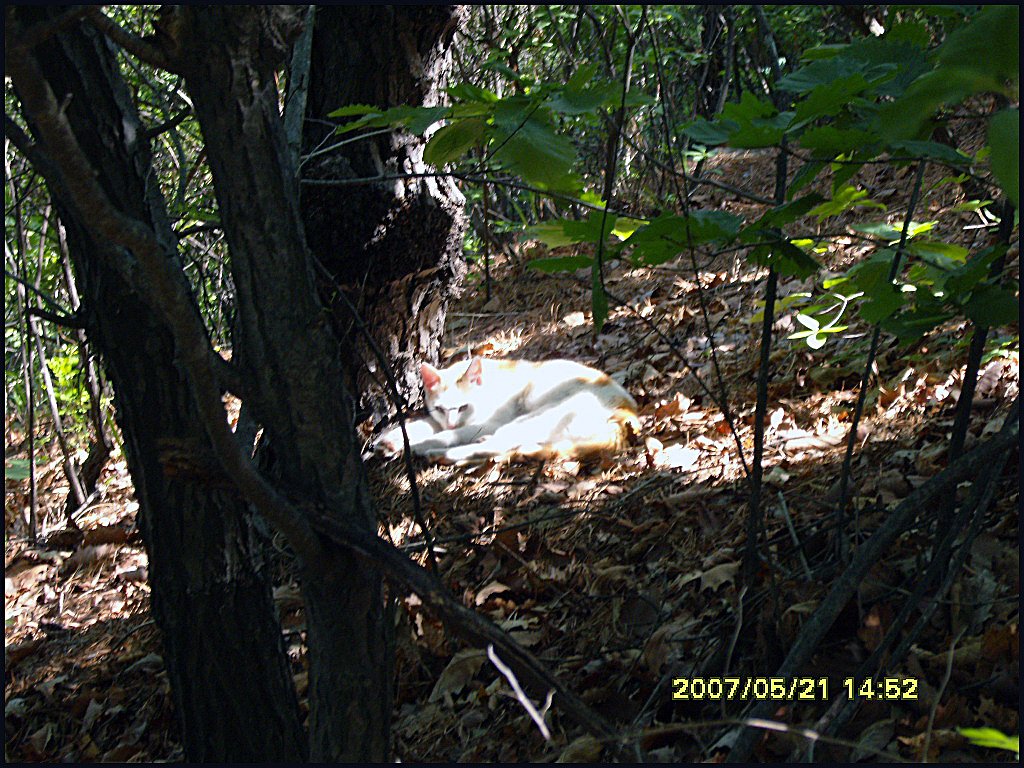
668	235
1004	138
540	156
992	738
583	94
990	43
828	142
16	469
453	141
780	217
962	280
709	133
351	110
930	149
881	298
906	117
808	172
880	303
425	117
944	255
786	258
846	198
625	226
910	32
912	325
893	232
992	305
470	92
570	231
828	99
561	263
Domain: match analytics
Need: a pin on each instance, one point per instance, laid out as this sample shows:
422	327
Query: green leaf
942	255
350	110
992	305
570	231
828	99
843	200
790	260
561	263
910	326
425	117
992	738
828	142
990	43
453	141
540	156
470	92
16	469
932	150
962	280
668	235
808	172
881	298
780	217
710	134
1004	138
906	117
582	94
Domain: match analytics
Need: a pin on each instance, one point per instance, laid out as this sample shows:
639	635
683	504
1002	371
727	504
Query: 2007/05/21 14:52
795	689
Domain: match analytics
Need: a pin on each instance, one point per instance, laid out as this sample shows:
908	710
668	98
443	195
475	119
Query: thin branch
844	477
169	125
139	47
66	321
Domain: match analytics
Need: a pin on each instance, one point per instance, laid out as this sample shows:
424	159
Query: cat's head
452	393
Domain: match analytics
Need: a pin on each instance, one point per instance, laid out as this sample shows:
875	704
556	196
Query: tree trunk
288	358
211	596
393	247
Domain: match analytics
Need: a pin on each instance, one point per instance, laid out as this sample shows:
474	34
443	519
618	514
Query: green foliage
518	133
991	738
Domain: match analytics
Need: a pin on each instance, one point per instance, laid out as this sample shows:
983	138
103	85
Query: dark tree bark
394	247
210	593
288	356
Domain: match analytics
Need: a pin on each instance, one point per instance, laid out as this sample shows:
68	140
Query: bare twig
521	696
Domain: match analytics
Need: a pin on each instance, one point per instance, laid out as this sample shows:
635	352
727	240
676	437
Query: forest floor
619	573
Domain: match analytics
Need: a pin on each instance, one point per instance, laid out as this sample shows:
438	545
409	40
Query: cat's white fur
516	409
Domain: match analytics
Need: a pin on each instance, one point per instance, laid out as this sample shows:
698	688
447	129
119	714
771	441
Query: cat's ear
474	374
430	375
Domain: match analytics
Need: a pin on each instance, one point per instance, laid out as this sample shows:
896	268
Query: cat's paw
473	453
390	443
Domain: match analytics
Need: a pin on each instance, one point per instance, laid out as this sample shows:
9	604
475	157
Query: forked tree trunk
394	247
288	357
211	596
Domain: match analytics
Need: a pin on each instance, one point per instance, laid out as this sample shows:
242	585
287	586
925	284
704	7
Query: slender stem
844	476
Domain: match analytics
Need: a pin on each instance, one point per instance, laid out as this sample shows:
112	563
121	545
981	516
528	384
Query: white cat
516	409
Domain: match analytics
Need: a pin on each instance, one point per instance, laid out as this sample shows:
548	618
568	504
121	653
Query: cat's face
451	393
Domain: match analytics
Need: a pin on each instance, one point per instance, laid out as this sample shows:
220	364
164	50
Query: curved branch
139	47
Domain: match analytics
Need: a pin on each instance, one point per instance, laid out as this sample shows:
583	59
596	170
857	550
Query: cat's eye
463	407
